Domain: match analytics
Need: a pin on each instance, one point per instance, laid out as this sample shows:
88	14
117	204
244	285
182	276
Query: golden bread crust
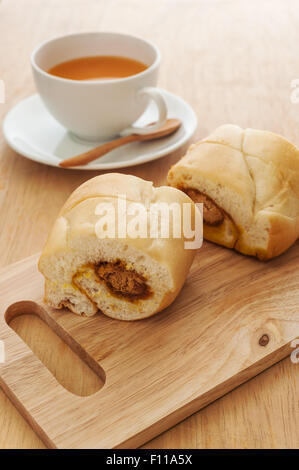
75	228
253	175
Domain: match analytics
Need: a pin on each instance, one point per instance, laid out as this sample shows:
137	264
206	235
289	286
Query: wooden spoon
170	126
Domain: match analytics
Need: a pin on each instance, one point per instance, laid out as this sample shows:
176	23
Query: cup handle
157	97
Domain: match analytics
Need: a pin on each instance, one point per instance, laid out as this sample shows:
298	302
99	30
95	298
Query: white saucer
32	132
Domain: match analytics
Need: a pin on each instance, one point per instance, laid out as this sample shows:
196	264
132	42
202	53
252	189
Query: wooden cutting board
235	317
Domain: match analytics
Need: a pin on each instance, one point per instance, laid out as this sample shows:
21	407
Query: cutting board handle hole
77	372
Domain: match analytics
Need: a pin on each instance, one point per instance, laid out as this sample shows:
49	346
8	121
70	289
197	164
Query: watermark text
127	219
295	353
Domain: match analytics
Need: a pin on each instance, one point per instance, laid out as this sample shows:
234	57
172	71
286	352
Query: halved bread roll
248	181
126	278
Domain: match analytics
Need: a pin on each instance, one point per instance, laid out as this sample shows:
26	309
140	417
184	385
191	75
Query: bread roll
248	181
126	278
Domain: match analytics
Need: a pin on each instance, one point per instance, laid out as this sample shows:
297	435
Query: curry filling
212	214
121	281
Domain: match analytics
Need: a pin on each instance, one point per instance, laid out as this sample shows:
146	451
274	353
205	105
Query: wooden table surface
233	61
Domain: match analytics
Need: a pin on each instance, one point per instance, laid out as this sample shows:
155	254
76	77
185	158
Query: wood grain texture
157	371
232	60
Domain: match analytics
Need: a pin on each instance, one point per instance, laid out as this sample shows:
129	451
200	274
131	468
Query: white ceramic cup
97	110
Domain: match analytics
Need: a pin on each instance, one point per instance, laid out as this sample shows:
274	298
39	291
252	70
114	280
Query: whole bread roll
125	278
248	181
